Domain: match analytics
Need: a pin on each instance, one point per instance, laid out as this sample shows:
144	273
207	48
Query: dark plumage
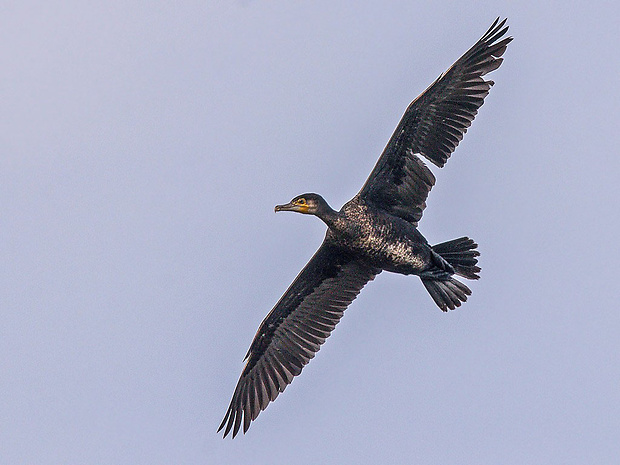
373	232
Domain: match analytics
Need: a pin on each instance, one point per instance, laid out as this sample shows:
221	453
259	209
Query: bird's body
383	240
377	230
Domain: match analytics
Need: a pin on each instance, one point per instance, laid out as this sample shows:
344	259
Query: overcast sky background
144	146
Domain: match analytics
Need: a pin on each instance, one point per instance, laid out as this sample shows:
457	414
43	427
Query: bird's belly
399	256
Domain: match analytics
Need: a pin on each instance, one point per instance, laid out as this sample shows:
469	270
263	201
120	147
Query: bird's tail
447	292
461	253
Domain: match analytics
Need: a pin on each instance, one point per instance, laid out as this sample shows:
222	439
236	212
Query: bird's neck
328	215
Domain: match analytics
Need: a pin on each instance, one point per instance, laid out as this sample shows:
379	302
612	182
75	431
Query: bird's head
309	204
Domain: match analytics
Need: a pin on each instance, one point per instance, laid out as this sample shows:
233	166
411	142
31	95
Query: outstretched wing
294	330
432	126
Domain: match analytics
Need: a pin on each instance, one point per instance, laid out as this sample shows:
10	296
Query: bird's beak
287	207
291	207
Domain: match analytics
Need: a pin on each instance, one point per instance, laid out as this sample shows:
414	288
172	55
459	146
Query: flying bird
377	230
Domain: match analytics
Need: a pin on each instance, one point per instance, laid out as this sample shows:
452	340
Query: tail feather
461	253
447	292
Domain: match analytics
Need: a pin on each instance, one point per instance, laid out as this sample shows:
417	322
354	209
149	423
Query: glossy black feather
294	330
432	126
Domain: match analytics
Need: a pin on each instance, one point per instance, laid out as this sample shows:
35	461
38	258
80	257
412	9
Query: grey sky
144	147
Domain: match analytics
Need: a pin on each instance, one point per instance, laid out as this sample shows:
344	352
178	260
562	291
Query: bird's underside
380	221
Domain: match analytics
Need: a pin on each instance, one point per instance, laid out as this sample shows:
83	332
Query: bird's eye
301	201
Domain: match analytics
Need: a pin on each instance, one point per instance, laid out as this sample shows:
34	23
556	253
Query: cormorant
373	232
